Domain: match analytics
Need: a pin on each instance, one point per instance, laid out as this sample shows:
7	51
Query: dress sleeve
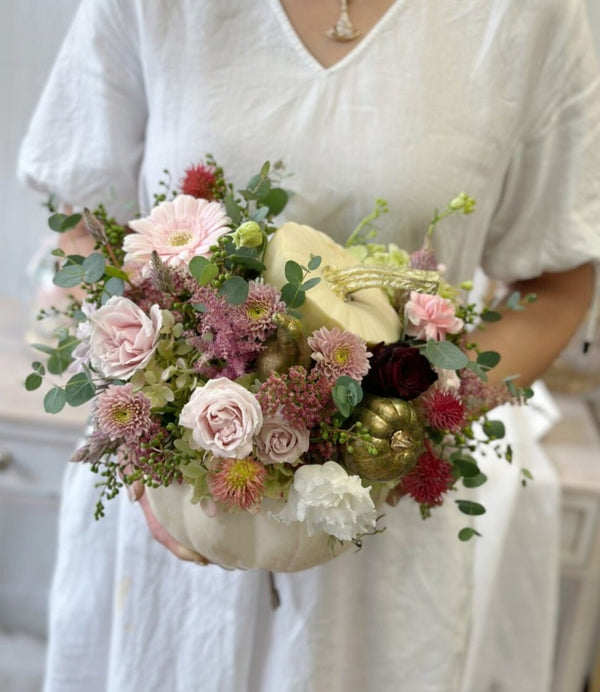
548	217
86	138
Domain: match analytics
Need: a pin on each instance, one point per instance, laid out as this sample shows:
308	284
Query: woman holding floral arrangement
408	101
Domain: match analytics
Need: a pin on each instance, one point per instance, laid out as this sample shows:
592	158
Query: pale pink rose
178	231
122	337
278	442
430	317
223	417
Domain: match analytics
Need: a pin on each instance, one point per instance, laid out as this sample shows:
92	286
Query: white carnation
327	499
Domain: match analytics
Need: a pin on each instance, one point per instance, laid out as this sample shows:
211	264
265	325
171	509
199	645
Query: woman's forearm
529	340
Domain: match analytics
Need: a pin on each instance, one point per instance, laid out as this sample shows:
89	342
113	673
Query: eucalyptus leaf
467	533
314	262
38	367
276	200
490	315
70	222
446	355
93	267
488	359
293	272
478	370
79	389
307	285
232	208
467	467
115	273
474	481
473	509
69	276
494	429
235	290
56	221
55	400
113	287
33	381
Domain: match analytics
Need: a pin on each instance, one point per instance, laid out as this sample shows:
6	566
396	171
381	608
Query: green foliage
471	508
63	222
55	400
494	429
235	290
203	270
467	533
294	292
79	389
347	394
446	355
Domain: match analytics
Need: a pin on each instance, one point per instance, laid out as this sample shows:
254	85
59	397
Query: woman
501	99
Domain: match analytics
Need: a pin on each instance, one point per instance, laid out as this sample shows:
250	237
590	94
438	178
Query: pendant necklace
343	30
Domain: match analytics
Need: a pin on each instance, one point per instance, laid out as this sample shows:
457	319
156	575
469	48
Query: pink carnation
339	353
430	317
179	231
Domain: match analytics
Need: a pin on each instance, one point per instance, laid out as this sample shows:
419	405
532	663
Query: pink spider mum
444	410
238	483
262	303
123	414
199	181
339	353
430	479
178	231
430	317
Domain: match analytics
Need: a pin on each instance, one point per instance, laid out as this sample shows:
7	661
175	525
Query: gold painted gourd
397	436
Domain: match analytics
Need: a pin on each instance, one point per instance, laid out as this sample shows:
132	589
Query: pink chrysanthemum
430	479
238	483
262	303
444	410
424	259
178	231
199	182
339	353
122	413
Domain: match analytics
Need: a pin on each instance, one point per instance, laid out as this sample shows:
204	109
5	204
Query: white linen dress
500	99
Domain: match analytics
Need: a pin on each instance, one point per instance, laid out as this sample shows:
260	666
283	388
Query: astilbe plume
479	396
225	336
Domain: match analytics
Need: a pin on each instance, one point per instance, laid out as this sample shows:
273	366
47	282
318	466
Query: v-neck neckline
309	59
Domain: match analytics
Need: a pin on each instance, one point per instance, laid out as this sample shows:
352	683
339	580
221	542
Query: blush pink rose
430	317
223	417
278	442
122	337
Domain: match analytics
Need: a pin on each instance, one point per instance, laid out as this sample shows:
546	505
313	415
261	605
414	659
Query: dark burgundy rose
398	370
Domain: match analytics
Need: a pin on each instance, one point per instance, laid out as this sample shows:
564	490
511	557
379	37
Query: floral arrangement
246	362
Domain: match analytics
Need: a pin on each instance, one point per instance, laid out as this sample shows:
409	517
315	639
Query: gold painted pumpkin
397	436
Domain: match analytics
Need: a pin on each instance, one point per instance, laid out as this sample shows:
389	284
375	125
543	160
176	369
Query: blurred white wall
30	34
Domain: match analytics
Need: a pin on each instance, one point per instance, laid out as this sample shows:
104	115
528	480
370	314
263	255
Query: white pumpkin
367	313
239	540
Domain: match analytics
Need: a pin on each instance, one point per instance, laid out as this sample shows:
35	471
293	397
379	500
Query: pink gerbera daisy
122	413
238	483
339	353
178	231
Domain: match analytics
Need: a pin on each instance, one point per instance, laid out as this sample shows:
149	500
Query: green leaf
235	290
115	273
56	221
70	222
475	481
466	465
38	367
232	208
293	272
33	381
249	262
293	296
93	267
307	285
60	359
527	473
79	389
444	354
514	301
203	270
260	214
467	533
473	509
494	429
69	276
55	400
478	370
314	262
258	187
44	348
488	359
113	287
276	200
347	393
490	315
